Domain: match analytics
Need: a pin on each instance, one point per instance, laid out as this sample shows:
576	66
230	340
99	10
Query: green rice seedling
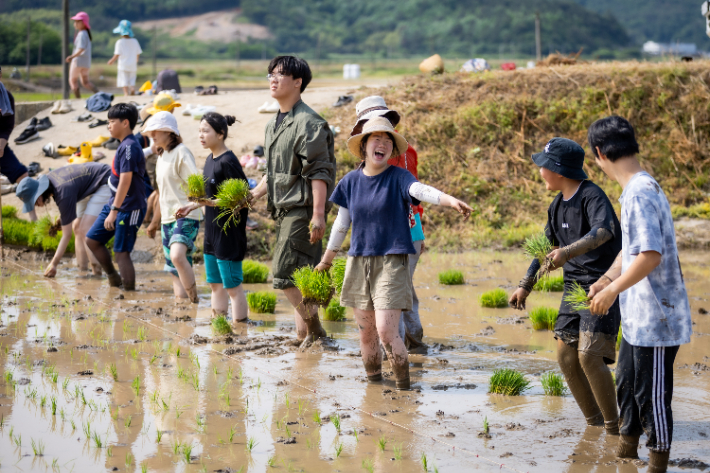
338	449
495	299
97	439
301	407
538	246
357	439
577	298
334	312
553	384
37	447
114	371
153	359
508	382
220	325
397	452
618	338
336	422
176	446
543	318
196	381
199	422
128	421
232	432
87	429
315	286
109	451
251	443
17	231
254	272
337	274
271	461
287	431
54	377
550	283
73	425
368	464
425	463
144	468
451	277
231	197
53	402
43	401
136	385
382	443
177	352
195	187
158	435
129	460
187	453
8	212
142	334
316	417
486	426
18	440
262	302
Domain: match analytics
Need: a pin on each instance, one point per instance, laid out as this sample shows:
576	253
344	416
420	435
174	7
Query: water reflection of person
376	198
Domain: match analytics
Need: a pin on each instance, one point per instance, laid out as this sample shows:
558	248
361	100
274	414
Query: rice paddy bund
90	381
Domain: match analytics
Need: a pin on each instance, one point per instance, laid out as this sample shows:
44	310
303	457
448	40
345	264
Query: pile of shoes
81	151
33	169
31	133
6	186
61	106
211	90
198	111
84	117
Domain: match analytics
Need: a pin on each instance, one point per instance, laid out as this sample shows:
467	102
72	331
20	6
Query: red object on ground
508	66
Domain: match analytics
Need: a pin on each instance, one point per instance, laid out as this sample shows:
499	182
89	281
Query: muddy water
266	392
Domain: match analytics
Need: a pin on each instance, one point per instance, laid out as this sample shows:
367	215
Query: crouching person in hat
375	198
586	237
80	192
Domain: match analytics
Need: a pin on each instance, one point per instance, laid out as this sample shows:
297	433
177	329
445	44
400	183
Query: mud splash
108	382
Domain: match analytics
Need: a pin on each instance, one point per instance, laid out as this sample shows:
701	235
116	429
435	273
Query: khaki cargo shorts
377	283
293	246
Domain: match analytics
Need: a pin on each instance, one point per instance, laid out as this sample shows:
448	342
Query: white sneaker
273	108
198	112
56	106
263	108
65	107
189	109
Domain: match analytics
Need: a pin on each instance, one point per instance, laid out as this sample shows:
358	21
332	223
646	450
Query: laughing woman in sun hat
375	198
175	163
80	58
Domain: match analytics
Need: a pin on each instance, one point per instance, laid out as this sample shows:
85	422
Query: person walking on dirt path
80	59
300	176
122	216
80	191
410	327
175	164
127	52
376	198
648	280
225	246
586	237
10	166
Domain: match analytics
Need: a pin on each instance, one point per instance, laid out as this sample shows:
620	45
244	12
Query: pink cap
84	17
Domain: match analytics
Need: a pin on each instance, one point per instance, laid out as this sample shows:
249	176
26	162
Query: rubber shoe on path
65	107
29	134
99	140
49	150
66	150
55	108
44	124
112	144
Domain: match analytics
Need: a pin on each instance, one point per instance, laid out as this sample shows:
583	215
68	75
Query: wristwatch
117	209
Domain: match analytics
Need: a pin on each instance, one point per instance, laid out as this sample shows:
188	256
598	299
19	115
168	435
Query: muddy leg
178	255
220	300
80	235
102	255
568	359
240	309
388	330
128	272
602	385
369	343
178	290
308	327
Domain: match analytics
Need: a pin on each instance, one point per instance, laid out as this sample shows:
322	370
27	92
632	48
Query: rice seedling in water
176	446
128	421
316	417
382	443
550	283
254	272
129	460
220	325
577	298
97	439
37	447
397	452
337	274
334	312
251	443
142	334
338	449
114	371
543	318
144	468
451	277
368	465
486	426
159	435
538	247
200	422
87	429
553	384
495	299
187	453
262	302
18	440
271	461
43	401
136	384
425	463
195	187
230	198
509	382
336	422
232	431
315	286
109	451
53	402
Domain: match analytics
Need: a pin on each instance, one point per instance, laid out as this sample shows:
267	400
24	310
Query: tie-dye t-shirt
654	312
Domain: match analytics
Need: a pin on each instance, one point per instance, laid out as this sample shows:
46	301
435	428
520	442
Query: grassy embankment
475	133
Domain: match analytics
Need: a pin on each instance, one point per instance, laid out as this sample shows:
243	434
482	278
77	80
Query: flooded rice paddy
95	379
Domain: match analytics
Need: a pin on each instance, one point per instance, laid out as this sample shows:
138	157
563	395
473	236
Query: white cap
161	121
371	107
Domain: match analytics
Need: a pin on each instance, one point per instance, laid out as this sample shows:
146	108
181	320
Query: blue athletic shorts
227	273
11	166
127	225
183	230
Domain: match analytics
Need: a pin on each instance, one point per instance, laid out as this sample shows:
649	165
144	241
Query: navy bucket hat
563	156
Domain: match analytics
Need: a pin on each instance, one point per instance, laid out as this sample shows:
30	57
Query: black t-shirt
229	245
279	118
569	221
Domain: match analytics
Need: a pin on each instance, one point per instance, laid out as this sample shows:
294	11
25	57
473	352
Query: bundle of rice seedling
315	286
451	277
509	382
495	299
221	326
337	274
231	197
334	312
262	302
577	298
553	384
538	247
8	211
543	318
195	188
254	272
550	284
47	234
16	231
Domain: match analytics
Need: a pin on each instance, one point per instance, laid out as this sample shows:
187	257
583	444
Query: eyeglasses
276	77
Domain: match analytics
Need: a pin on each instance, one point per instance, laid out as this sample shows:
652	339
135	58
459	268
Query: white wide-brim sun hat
374	125
371	107
161	121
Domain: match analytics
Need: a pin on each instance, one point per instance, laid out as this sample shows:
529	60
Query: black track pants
644	389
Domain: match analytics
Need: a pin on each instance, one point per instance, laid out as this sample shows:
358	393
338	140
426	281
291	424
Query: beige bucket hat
374	125
371	107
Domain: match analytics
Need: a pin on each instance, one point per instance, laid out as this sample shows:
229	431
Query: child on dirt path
127	51
300	176
647	278
410	327
225	247
175	164
80	58
376	198
585	235
122	216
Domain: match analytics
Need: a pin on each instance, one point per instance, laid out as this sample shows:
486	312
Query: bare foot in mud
114	279
192	294
312	337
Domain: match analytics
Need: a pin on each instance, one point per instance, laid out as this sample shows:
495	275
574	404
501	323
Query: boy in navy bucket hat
586	237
